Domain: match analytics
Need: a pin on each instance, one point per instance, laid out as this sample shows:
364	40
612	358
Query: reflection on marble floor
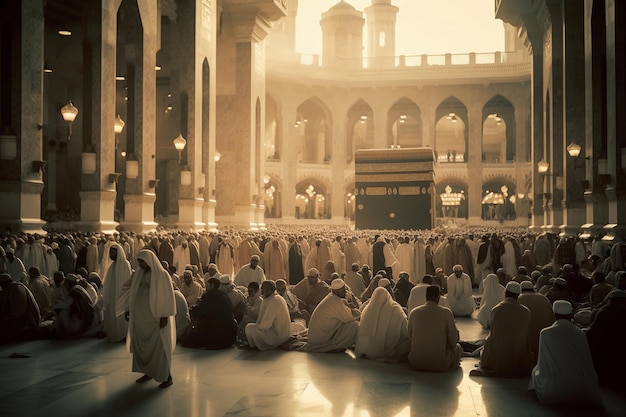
92	378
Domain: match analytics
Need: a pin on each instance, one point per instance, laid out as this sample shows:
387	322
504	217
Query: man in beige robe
311	291
541	314
333	326
505	353
433	335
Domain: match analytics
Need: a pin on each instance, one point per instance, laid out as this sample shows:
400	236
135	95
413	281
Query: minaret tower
381	32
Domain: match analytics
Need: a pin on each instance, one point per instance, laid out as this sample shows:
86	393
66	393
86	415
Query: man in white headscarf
272	326
182	256
383	332
148	301
115	326
460	297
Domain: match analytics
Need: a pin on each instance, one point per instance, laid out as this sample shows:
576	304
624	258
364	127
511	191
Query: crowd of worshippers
555	307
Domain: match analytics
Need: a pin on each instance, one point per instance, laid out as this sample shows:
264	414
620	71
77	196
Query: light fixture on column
119	126
168	103
542	167
64	30
46	68
573	149
179	144
185	177
69	113
218	156
120	77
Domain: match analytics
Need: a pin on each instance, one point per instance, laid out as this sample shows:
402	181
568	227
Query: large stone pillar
338	160
98	190
574	89
537	133
289	161
557	102
21	105
194	28
595	50
240	107
474	164
616	122
139	201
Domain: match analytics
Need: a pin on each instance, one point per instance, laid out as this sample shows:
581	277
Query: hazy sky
422	26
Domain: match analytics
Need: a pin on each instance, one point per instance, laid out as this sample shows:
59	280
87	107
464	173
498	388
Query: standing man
115	326
148	301
273	323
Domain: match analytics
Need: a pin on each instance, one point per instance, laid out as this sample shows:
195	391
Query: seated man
293	305
237	299
505	353
19	313
311	291
76	314
459	296
182	317
40	287
403	288
190	288
273	323
251	272
213	325
355	281
417	297
541	314
333	326
433	336
252	312
564	374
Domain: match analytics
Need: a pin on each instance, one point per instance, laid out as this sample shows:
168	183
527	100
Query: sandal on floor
167	383
143	379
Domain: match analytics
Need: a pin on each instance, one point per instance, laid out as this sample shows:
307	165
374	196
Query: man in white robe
148	301
115	326
251	272
459	296
337	256
273	323
333	326
404	254
182	256
564	374
15	267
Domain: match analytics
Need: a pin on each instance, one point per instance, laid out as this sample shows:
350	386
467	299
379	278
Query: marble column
139	197
240	131
474	164
338	161
557	102
21	181
574	81
595	197
194	37
289	160
98	190
537	121
616	122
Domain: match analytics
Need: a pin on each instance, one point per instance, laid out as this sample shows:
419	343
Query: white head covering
225	279
493	293
337	284
513	287
562	307
383	282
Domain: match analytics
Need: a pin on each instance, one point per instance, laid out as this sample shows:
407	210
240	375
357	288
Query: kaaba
394	188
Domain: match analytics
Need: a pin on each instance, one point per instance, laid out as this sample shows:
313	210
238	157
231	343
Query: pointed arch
313	198
451	133
404	124
313	127
498	130
359	128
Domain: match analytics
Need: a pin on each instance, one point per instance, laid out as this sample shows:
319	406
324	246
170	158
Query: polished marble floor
92	377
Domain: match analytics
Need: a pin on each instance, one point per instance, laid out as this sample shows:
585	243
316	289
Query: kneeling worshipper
273	324
213	325
383	332
505	353
493	293
333	326
434	338
564	374
19	312
76	314
459	296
